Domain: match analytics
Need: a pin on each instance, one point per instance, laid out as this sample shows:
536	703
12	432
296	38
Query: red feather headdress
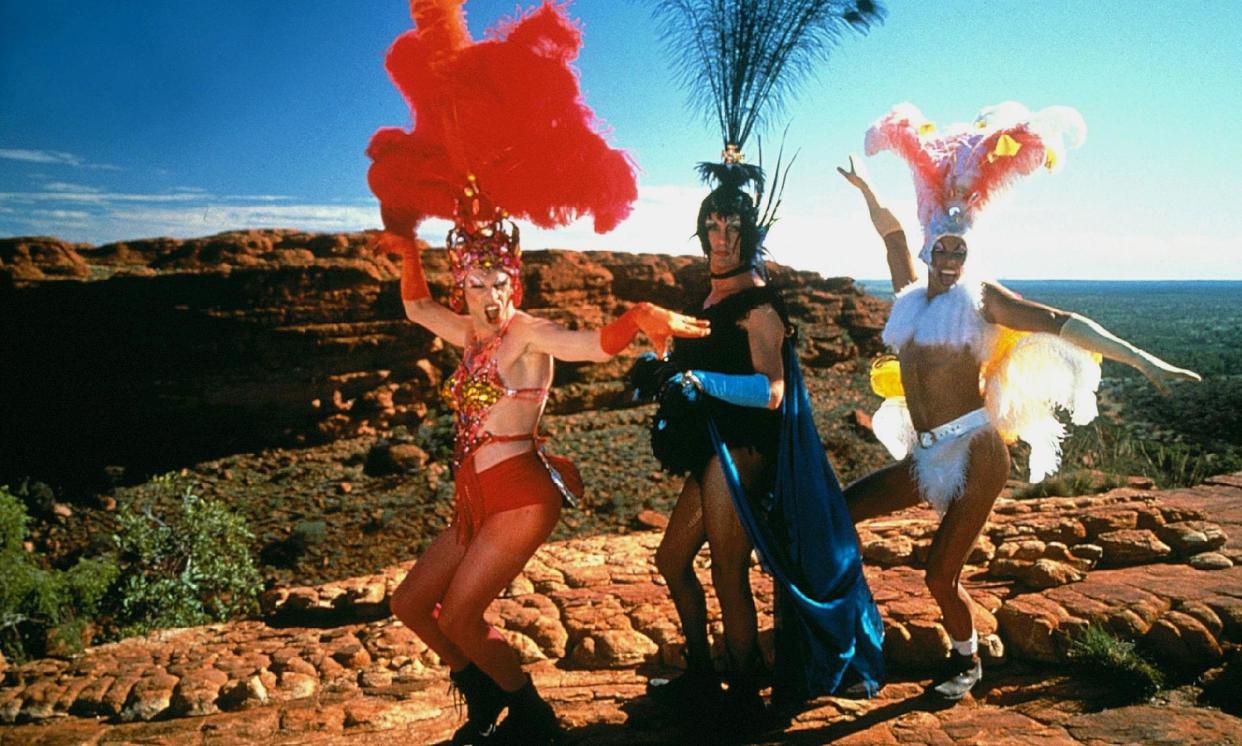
504	114
957	171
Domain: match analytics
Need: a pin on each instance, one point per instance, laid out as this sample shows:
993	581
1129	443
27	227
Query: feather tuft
740	61
732	175
507	110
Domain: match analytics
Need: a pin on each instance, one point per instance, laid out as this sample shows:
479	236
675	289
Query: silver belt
953	428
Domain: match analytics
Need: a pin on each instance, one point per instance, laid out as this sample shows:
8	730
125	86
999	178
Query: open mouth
947	277
492	312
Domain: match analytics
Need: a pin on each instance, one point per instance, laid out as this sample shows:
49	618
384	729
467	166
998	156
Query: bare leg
986	472
414	601
682	540
881	492
498	552
731	549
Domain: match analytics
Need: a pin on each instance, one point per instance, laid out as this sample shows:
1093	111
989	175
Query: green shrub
1114	662
191	565
44	610
1117	450
1071	484
435	436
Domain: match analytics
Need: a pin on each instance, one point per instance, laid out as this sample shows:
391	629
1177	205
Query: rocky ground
589	615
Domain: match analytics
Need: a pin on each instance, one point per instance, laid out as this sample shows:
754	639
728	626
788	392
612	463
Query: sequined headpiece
956	171
482	237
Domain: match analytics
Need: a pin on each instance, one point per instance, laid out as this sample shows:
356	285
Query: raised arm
598	345
415	295
900	264
1000	306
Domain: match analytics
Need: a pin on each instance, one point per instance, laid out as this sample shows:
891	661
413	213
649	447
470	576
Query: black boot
697	690
964	672
530	722
484	701
743	712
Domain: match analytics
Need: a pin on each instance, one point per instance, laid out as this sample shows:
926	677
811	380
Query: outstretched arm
415	296
900	265
598	345
1000	306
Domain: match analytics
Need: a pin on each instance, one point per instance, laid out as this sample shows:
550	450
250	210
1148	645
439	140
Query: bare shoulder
1003	306
996	297
524	324
764	320
993	289
524	327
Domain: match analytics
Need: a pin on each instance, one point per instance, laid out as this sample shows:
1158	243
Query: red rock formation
590	618
161	352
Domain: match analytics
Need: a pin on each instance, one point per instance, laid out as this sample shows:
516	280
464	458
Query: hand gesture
659	324
385	242
859	180
1161	373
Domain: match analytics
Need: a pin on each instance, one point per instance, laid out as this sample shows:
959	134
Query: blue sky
143	118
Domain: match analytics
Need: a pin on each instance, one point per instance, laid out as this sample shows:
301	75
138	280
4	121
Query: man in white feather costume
978	366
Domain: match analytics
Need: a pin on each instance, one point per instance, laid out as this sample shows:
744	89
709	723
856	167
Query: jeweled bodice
473	389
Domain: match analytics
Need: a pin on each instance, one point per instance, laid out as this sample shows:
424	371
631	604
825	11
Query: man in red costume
504	114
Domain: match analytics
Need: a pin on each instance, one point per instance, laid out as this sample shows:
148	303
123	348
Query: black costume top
679	433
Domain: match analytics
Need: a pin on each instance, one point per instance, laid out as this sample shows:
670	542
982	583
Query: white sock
967	647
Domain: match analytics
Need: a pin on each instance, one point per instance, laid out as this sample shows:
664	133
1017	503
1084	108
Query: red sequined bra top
473	389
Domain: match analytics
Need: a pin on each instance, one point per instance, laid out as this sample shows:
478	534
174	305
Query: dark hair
726	200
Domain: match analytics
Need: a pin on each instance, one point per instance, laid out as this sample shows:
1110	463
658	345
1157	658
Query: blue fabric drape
827	621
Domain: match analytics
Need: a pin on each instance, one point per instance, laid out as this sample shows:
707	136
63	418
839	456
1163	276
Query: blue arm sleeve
746	391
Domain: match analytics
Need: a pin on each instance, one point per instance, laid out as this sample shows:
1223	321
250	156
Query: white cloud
662	222
65	187
40	156
825	229
257	197
62	214
185	222
95	197
81	212
56	157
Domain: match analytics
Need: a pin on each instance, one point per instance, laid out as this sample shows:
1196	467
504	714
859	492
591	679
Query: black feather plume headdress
740	61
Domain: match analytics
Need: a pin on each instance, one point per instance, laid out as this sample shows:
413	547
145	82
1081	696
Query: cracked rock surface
593	619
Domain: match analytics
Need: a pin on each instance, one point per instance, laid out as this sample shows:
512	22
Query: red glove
413	282
657	323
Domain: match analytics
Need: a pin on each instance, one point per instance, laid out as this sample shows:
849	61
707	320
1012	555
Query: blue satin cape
828	630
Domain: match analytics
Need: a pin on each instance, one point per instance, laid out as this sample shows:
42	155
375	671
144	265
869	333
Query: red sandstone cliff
156	353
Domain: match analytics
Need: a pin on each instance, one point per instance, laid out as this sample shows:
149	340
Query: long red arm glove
413	281
657	323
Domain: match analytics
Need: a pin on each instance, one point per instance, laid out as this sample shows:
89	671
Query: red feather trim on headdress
898	131
995	173
506	110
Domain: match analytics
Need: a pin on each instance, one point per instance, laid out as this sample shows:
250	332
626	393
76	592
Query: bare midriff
496	415
941	383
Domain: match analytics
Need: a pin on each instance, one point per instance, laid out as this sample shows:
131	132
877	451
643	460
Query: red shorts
516	482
